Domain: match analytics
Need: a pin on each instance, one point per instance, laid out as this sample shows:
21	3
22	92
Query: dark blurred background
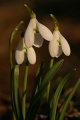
11	13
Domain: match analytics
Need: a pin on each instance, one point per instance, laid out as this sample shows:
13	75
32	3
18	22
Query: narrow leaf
57	95
24	90
38	78
69	99
35	90
50	74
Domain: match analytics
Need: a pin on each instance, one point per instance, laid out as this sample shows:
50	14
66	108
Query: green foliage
43	86
41	83
57	96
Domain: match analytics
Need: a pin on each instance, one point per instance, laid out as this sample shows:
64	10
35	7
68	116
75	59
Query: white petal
31	55
53	48
65	46
56	38
38	41
45	32
29	35
33	23
19	56
59	51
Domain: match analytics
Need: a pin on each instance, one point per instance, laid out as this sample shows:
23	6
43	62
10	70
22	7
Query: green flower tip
31	13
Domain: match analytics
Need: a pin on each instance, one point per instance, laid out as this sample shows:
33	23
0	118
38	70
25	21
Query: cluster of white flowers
34	36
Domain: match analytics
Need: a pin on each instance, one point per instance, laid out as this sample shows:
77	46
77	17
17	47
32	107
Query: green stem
24	91
31	13
11	42
28	8
11	63
54	19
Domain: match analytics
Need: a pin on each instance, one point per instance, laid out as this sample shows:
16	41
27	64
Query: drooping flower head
22	53
33	36
35	31
59	44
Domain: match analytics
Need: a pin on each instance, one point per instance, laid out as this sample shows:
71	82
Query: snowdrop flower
35	32
59	44
22	52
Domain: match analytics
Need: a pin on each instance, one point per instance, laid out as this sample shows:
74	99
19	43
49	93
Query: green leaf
24	90
38	78
68	100
35	90
48	77
12	36
54	87
50	74
34	110
49	84
57	95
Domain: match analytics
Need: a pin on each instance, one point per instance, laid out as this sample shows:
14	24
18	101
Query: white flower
35	33
58	44
22	52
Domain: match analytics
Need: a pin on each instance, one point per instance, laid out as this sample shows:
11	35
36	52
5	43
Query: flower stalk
14	76
11	42
54	19
31	13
